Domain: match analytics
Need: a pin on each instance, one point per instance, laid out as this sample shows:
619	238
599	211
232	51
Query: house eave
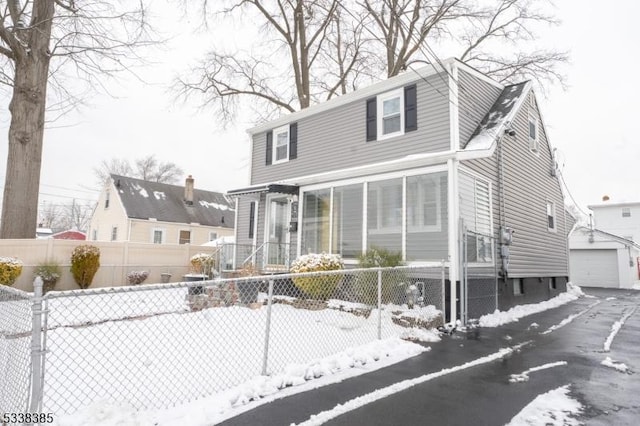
364	93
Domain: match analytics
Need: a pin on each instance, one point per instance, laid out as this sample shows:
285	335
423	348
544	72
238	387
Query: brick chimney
188	190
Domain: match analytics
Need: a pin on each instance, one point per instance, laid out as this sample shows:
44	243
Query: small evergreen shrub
85	261
317	287
10	270
367	282
50	274
137	277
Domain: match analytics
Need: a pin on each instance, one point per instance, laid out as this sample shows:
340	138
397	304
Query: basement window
518	288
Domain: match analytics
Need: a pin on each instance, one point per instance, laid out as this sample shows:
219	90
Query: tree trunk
26	132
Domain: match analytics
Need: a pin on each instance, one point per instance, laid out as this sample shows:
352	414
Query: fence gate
479	277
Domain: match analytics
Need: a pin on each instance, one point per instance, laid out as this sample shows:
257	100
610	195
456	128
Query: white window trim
554	215
398	93
274	153
162	235
478	177
534	143
427	228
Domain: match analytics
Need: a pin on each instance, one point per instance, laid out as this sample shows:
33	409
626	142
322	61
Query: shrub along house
136	210
414	164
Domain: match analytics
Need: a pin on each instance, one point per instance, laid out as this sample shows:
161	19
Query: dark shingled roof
500	112
144	200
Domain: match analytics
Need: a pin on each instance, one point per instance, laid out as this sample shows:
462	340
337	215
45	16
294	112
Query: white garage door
595	268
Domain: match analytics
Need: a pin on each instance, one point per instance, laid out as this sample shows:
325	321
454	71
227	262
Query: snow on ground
259	390
615	328
524	376
620	366
569	319
320	418
555	407
499	318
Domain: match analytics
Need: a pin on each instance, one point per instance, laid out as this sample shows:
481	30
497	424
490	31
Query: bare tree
39	40
73	214
146	168
298	38
332	46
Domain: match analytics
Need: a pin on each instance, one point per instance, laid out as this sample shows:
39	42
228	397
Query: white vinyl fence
160	345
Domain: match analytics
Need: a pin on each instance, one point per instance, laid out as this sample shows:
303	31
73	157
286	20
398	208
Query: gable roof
609	236
499	116
152	200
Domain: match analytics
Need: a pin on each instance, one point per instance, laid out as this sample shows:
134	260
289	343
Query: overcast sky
590	123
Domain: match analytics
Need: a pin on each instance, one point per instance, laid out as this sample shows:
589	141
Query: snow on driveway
553	408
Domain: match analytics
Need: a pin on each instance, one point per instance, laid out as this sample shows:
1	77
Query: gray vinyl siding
336	139
476	97
535	252
242	227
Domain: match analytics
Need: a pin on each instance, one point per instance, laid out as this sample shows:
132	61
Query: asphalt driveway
482	395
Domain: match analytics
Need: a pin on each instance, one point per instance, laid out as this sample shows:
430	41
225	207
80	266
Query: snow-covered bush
317	286
10	270
202	263
50	274
137	277
85	261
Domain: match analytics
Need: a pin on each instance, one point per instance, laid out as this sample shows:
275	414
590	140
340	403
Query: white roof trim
364	93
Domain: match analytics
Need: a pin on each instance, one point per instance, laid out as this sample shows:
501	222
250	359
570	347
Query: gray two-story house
414	164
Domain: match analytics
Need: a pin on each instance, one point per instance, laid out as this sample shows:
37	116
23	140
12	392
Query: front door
277	247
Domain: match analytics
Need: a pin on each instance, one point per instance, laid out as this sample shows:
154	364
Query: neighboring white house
621	219
150	212
603	259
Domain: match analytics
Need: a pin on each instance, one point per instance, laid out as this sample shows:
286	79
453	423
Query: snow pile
420	335
256	391
555	407
499	318
615	328
569	319
620	366
574	289
524	376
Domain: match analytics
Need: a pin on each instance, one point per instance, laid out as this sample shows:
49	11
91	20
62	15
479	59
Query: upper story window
551	216
106	199
185	237
114	233
282	144
392	113
213	236
533	133
281	151
626	212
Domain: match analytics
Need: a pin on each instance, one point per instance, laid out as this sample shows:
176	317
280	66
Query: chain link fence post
35	400
267	331
443	287
379	304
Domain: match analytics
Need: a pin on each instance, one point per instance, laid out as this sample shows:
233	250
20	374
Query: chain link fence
15	349
160	345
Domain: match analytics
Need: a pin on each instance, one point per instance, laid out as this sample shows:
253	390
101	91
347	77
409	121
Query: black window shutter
269	147
372	122
252	218
293	141
410	109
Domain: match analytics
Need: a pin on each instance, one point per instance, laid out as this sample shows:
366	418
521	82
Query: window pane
347	221
532	129
427	233
384	214
391	124
282	138
391	107
157	237
315	222
282	152
185	237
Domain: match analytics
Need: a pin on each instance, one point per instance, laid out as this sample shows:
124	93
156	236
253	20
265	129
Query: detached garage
601	259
